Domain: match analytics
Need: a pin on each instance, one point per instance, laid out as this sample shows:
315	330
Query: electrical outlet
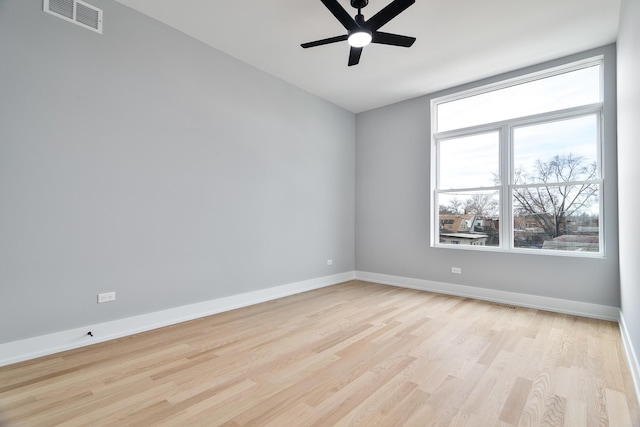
456	270
106	297
329	262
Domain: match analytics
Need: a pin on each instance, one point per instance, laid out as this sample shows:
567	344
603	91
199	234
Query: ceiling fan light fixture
360	31
359	38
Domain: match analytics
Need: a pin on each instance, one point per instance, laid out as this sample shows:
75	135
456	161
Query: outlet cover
106	297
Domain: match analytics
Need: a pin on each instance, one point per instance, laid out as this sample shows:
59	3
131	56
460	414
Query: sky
471	162
579	87
576	136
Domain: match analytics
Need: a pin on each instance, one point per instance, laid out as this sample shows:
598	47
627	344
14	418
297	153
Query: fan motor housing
359	4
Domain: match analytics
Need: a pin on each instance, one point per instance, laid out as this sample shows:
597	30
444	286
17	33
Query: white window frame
505	130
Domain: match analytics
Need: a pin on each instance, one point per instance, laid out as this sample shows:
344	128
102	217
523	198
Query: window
518	164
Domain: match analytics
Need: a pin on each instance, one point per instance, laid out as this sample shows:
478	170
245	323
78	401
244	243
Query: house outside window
518	164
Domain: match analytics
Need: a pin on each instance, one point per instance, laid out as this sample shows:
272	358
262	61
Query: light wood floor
351	354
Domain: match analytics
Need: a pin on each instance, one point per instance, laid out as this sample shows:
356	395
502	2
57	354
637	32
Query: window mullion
506	176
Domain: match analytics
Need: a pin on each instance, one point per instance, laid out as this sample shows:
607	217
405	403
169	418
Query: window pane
564	218
469	218
469	162
554	152
553	93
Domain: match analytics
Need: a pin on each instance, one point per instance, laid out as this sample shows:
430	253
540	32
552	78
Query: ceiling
458	41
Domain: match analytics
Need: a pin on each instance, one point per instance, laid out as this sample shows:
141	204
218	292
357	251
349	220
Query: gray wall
144	162
628	165
393	210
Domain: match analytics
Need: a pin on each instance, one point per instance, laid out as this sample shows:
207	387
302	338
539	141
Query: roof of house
457	221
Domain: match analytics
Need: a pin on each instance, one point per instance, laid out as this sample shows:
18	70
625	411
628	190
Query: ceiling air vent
76	11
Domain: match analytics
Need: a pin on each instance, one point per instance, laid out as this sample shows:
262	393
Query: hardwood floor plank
554	414
617	409
535	405
354	354
576	414
381	403
515	403
400	414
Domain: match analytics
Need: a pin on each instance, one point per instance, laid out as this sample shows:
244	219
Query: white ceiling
458	41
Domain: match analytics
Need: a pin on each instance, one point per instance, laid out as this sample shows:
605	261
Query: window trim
505	129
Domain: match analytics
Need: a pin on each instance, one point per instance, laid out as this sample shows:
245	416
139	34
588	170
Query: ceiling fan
360	32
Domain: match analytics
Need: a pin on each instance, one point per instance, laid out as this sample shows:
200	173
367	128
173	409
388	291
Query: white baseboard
30	348
557	305
634	363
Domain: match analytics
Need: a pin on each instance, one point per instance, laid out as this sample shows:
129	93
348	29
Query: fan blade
341	15
392	39
389	12
325	41
354	55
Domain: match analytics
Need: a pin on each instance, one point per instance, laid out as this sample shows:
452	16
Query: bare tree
455	206
482	205
564	194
